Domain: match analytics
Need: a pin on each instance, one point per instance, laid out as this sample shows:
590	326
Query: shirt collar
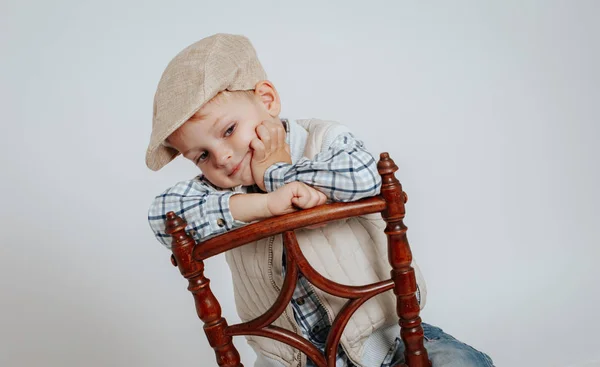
296	137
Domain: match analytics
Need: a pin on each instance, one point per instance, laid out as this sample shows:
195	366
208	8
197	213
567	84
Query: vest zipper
330	318
298	356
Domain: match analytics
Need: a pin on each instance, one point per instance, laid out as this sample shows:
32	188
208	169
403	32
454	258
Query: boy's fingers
299	198
264	135
281	136
313	198
277	132
316	198
306	197
259	149
322	198
302	196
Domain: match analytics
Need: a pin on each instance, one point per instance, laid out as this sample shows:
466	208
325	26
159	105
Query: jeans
444	351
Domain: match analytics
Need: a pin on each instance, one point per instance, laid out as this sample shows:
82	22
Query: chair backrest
189	256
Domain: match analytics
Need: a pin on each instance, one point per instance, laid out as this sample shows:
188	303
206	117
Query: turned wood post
207	306
400	258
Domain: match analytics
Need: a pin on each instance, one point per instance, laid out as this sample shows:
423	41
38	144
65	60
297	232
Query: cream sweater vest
352	251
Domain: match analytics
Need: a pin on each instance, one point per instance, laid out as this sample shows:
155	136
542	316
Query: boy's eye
230	130
202	157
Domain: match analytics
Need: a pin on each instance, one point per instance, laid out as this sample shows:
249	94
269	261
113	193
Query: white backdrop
489	108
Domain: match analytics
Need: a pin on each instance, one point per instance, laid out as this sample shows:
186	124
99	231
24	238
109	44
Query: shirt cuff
219	215
274	176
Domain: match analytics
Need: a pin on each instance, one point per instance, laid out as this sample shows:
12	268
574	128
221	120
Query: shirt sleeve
345	171
205	209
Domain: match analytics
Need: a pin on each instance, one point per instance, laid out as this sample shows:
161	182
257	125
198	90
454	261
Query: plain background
489	108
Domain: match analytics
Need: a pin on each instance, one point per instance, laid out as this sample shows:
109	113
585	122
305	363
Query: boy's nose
223	157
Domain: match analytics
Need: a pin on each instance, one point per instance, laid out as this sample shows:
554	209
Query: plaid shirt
313	320
345	171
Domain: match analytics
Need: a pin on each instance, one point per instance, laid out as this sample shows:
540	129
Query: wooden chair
189	256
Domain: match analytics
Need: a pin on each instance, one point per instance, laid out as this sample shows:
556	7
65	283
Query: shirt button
300	301
316	329
220	222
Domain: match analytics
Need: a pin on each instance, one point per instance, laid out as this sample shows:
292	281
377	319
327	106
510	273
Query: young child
215	106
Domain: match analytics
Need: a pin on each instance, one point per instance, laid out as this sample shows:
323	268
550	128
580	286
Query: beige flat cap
197	74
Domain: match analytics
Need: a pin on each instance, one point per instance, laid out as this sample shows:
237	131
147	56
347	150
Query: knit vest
351	251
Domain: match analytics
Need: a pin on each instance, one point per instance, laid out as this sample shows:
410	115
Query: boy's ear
266	92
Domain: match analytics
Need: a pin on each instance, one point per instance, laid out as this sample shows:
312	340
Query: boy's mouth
237	167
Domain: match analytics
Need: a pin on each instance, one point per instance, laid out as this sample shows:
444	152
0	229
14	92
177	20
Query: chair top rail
276	225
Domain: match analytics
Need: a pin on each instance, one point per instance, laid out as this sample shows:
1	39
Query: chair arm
276	225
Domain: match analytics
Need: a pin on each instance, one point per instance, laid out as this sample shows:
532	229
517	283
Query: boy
214	106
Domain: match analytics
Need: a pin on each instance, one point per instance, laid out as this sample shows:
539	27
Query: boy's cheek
249	179
250	165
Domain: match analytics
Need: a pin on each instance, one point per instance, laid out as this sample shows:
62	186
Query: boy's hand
269	147
293	196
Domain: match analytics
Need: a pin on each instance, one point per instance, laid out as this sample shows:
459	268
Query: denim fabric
443	350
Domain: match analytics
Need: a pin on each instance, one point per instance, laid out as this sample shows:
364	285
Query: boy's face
217	138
